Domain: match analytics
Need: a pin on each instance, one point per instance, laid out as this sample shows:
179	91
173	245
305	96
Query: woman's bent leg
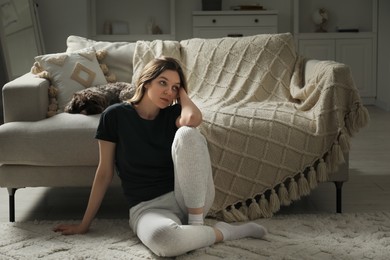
194	186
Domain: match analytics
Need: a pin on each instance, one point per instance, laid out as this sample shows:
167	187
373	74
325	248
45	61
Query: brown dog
95	100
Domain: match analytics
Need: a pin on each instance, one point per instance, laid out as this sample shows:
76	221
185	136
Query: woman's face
164	89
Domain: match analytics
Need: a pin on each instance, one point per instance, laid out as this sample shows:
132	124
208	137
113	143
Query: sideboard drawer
210	32
234	20
217	24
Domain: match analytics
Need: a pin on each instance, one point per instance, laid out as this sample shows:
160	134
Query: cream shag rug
322	236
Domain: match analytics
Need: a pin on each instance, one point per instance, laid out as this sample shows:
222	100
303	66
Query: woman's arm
103	178
190	113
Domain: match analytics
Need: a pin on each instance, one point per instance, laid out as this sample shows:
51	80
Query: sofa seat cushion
62	140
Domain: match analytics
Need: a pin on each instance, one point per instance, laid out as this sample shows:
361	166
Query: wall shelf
132	20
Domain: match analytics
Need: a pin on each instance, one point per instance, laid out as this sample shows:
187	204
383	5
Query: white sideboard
215	24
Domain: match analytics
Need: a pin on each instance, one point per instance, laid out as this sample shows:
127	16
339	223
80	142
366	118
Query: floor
367	190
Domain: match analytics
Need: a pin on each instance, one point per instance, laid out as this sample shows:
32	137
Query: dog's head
87	102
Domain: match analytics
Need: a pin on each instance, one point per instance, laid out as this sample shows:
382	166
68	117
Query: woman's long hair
152	70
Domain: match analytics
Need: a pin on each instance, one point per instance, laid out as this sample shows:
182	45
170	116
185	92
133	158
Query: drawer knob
256	20
214	21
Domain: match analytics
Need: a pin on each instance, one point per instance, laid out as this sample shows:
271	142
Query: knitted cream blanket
272	134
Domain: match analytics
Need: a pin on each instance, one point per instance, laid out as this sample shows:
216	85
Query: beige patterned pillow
118	58
71	72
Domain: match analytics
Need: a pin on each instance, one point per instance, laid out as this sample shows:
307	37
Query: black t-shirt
143	149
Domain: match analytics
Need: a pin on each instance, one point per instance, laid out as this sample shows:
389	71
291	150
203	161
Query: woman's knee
167	241
189	136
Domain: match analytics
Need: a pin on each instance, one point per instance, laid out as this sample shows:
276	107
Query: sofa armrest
309	69
25	98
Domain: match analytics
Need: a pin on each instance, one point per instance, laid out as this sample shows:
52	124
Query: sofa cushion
71	72
62	140
119	58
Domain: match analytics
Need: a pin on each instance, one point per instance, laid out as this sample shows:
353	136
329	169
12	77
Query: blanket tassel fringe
266	204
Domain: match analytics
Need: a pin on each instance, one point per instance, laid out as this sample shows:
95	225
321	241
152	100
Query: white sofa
60	151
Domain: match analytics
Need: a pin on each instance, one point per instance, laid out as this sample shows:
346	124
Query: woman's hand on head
70	229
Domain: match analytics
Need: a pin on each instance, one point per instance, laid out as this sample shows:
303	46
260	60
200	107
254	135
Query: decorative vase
320	18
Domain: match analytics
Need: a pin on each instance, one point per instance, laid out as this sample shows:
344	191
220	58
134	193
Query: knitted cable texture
272	134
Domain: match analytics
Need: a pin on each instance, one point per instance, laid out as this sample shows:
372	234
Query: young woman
164	166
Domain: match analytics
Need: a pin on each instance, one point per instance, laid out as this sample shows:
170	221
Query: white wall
3	80
383	79
184	10
59	19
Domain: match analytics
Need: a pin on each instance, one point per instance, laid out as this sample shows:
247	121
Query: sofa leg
339	187
11	192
